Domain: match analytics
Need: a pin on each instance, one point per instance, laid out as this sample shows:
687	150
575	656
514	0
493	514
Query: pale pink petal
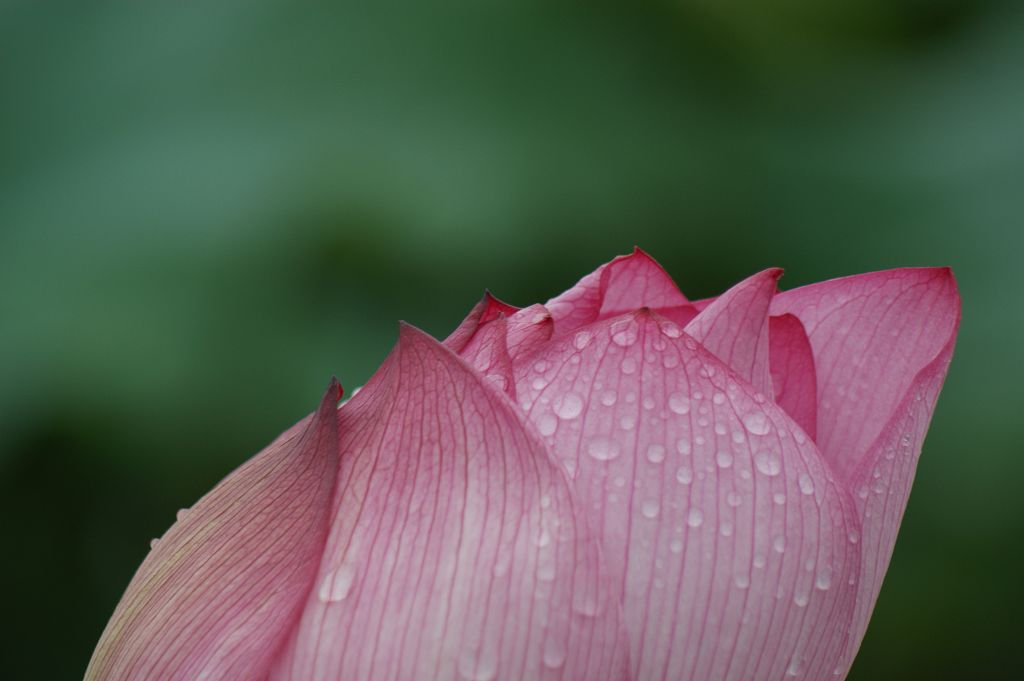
222	590
882	345
727	533
457	550
792	368
871	335
487	353
626	283
735	327
528	329
488	309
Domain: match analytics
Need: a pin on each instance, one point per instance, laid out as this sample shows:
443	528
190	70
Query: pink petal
224	587
871	335
528	329
735	327
626	283
792	368
882	344
725	530
457	549
488	309
487	353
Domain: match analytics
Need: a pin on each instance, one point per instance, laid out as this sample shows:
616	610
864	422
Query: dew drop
718	398
759	560
683	446
180	515
768	463
723	458
624	332
779	498
337	584
539	383
670	361
656	453
568	406
649	509
602	448
476	667
554	653
608	398
684	475
695	517
726	528
801	599
757	423
581	340
547	424
779	544
733	499
806	484
824	580
676	546
153	543
671	330
628	365
678	403
742	581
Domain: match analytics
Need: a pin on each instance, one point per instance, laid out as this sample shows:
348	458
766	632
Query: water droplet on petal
723	458
678	403
554	653
624	332
806	484
768	463
547	424
568	406
757	423
337	584
581	340
684	475
476	667
602	448
695	517
649	509
656	453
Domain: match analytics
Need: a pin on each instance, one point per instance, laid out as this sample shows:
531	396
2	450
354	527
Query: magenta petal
727	534
792	367
222	590
871	335
626	283
735	327
457	549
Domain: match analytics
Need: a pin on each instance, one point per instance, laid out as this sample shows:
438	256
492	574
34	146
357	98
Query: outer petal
735	327
727	533
223	588
792	366
871	335
626	283
457	549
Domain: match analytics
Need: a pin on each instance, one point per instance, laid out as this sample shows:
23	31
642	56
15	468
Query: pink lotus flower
619	484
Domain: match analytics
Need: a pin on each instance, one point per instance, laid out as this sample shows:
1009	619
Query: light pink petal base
220	592
457	550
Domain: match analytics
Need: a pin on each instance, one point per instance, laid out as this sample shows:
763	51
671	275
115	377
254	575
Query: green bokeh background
206	209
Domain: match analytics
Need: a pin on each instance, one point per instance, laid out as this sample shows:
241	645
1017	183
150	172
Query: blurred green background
206	209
